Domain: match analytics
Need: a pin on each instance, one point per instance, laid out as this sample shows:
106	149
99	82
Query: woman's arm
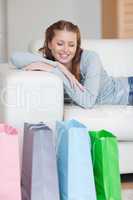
30	61
86	98
22	59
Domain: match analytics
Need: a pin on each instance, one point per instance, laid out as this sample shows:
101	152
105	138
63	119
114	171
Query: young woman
85	81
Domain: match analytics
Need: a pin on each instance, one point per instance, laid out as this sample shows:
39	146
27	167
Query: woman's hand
38	66
74	82
47	68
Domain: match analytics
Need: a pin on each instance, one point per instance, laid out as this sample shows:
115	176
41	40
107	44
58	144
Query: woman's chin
64	62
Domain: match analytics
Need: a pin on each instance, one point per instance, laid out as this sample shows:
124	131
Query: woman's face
63	46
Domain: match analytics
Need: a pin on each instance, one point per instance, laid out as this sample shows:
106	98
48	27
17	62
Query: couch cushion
116	54
116	119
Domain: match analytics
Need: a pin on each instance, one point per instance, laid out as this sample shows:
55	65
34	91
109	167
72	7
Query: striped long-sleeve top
100	88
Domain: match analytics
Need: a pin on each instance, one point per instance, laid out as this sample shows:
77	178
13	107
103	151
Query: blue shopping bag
75	171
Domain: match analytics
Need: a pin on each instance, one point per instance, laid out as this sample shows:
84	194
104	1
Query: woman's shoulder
87	54
90	61
87	57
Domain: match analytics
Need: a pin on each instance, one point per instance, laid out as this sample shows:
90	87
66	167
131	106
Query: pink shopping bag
9	164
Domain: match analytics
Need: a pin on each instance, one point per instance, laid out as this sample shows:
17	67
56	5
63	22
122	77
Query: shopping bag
74	162
9	164
39	169
106	165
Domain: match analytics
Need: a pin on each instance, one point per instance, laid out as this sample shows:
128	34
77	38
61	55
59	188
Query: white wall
2	30
27	19
88	15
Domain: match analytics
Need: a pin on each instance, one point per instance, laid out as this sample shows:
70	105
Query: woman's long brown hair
50	33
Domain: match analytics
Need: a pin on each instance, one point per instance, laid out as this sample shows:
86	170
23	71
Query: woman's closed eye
69	45
60	44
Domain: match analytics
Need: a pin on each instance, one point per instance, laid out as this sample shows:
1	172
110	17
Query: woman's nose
66	48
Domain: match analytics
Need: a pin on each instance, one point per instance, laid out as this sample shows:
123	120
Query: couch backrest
116	54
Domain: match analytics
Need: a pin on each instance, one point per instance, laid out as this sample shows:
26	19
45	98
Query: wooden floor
127	181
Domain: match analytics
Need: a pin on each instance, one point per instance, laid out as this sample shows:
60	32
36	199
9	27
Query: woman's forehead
64	34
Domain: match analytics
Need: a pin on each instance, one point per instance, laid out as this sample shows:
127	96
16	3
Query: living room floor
127	186
127	181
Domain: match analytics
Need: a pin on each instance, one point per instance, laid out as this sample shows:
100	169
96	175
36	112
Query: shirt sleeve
87	98
22	59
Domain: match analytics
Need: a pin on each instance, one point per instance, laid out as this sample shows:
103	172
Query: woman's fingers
81	87
38	66
32	66
71	79
75	83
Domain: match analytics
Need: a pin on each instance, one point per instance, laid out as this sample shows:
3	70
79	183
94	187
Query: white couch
38	96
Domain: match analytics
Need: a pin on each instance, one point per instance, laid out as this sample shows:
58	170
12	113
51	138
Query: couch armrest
30	96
